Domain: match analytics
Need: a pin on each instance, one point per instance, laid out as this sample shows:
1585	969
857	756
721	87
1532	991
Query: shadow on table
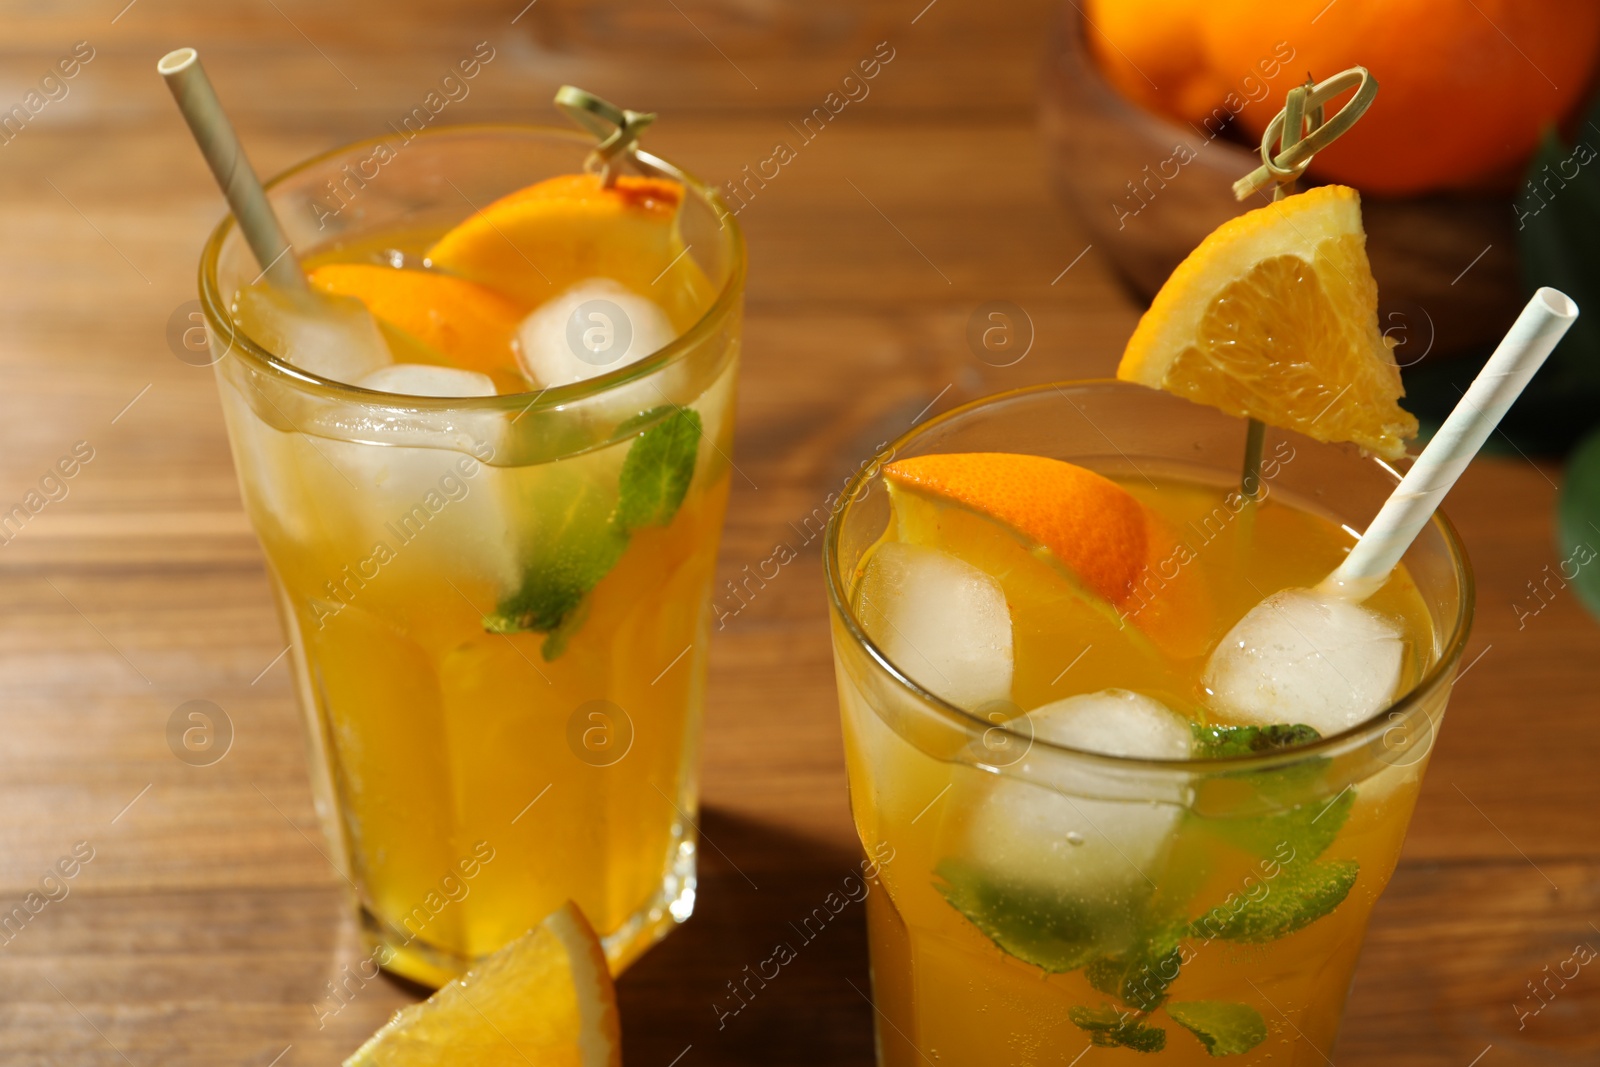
762	972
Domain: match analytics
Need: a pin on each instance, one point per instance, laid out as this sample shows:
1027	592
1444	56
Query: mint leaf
1224	1029
1216	742
1034	924
1306	823
1110	1028
1300	894
555	642
584	533
658	469
1140	976
577	546
1303	831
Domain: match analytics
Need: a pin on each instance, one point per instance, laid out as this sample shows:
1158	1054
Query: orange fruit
1152	53
545	998
1275	317
466	322
537	242
1467	88
1089	522
1101	546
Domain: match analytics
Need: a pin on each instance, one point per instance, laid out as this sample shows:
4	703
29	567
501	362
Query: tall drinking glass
471	780
1183	909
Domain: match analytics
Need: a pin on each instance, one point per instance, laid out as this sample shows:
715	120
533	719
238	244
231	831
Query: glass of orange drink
489	484
1093	826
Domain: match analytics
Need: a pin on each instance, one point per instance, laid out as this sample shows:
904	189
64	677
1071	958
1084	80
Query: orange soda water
475	772
1235	933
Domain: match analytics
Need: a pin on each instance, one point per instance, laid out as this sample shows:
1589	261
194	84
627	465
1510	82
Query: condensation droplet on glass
1074	838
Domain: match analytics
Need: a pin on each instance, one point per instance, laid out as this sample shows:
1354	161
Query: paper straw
1413	502
220	145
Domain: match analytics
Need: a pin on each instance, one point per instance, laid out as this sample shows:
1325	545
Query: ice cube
267	460
1302	658
590	329
449	512
1113	722
421	379
332	336
1072	825
940	620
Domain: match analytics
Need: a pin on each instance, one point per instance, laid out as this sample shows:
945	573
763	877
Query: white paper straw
220	145
1522	351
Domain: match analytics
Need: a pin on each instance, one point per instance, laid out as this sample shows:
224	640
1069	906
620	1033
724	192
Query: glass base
433	967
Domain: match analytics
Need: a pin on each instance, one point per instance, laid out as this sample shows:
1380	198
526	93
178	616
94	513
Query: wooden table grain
202	924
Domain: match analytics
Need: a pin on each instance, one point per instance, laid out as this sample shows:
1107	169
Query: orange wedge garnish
545	999
1275	316
1118	553
540	241
468	323
1090	523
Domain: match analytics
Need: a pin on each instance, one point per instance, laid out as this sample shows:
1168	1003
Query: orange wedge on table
544	999
539	241
1118	556
1275	317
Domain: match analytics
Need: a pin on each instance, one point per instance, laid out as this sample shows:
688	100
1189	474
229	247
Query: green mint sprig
585	536
1302	823
1137	958
1217	742
1036	925
1298	897
1111	1027
1139	977
1225	1029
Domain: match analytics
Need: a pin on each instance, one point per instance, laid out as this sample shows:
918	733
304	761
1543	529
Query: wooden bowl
1446	265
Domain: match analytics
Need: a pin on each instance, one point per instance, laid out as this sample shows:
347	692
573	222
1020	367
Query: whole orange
1466	87
1151	52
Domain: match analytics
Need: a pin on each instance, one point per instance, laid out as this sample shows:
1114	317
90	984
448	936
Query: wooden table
208	921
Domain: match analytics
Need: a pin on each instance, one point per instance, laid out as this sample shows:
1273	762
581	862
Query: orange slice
1275	316
469	324
1118	556
546	998
1089	522
539	241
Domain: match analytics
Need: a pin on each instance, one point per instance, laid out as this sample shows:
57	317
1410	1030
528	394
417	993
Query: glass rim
1353	737
213	303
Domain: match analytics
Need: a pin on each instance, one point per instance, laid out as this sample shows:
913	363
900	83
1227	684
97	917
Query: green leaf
1215	742
1034	924
555	642
1301	893
659	467
1224	1029
1141	976
1557	212
577	546
1110	1028
1304	822
1578	521
583	533
1304	830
